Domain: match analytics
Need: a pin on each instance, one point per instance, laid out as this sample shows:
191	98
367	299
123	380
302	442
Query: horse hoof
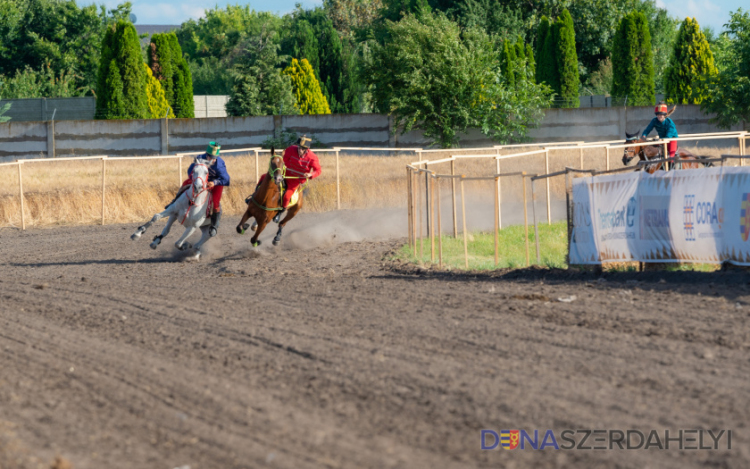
135	236
194	258
254	227
256	244
153	245
276	242
240	230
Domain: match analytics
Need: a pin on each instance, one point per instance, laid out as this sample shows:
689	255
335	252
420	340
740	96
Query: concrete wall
160	136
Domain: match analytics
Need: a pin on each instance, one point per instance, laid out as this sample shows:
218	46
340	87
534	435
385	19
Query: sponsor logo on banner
632	206
745	216
688	217
509	439
702	213
655	217
616	222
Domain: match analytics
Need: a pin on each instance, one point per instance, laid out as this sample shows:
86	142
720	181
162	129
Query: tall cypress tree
632	61
567	60
541	37
530	63
125	98
171	69
692	61
550	68
310	98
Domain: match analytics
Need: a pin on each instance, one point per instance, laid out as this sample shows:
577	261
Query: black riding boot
277	218
215	218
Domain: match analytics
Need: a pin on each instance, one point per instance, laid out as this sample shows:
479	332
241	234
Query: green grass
511	248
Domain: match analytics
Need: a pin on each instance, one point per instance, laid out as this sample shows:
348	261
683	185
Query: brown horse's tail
672	111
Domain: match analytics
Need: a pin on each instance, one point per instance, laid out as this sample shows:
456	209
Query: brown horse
265	203
647	151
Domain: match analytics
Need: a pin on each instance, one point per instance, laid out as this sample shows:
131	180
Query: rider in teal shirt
664	127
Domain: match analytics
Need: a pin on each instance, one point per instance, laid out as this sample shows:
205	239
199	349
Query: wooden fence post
439	226
499	195
408	206
497	216
664	155
104	187
607	165
536	227
580	154
525	217
414	197
338	183
546	167
453	195
463	215
428	208
257	166
20	192
419	230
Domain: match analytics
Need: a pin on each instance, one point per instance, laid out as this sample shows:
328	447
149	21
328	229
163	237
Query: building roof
150	29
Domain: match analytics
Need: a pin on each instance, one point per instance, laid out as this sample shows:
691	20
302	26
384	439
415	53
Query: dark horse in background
648	150
265	203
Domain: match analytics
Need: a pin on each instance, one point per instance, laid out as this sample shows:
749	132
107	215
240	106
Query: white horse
190	208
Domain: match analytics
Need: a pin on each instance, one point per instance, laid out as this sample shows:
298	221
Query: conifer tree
632	61
168	65
541	38
158	107
530	63
567	60
691	63
508	60
310	98
549	67
124	96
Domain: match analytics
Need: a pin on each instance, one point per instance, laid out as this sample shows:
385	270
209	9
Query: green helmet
213	149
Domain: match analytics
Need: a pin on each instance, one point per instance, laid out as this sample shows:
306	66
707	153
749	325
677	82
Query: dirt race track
116	356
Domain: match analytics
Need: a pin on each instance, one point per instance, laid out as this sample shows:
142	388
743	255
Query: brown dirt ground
116	356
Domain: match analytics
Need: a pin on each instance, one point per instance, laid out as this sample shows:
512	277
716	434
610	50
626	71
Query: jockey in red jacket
301	164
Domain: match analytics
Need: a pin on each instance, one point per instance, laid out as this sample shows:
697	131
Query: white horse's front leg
164	232
197	247
181	244
142	229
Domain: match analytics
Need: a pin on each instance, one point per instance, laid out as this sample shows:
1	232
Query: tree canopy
437	77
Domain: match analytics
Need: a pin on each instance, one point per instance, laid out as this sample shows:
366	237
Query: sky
712	13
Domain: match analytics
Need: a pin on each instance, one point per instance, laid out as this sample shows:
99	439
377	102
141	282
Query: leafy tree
43	83
158	107
210	76
348	16
433	76
121	87
259	87
729	91
310	98
692	60
220	31
503	22
567	61
530	63
632	61
56	33
508	60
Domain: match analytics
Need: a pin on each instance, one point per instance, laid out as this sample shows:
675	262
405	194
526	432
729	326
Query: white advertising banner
678	216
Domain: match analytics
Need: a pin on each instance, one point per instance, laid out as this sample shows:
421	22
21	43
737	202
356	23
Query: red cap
660	109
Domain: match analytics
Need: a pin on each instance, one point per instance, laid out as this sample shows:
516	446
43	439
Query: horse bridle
635	153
